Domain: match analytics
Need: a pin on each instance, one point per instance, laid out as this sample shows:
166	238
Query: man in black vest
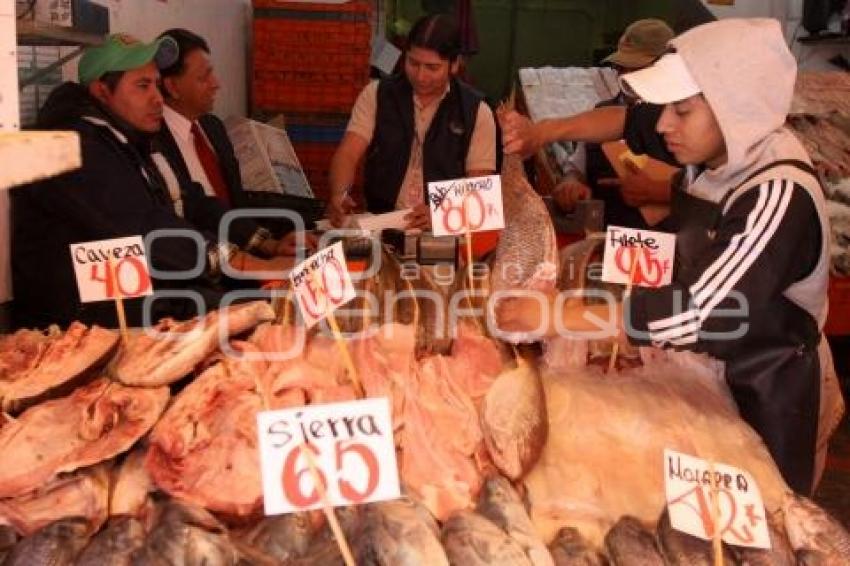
414	128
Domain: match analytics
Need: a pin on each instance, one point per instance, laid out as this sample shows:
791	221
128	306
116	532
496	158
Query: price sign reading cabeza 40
740	509
350	446
644	256
107	269
466	205
322	284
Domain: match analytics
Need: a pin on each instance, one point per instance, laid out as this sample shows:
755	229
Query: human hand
339	206
419	217
568	192
520	135
294	242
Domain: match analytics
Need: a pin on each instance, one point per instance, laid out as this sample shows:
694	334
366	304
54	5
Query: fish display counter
146	451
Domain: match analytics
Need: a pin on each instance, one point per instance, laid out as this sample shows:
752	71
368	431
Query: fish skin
527	254
780	553
57	544
500	503
569	548
398	533
811	528
283	537
514	420
185	535
682	549
472	540
113	545
8	539
629	543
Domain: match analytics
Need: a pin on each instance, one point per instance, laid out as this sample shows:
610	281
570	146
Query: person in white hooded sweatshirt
755	244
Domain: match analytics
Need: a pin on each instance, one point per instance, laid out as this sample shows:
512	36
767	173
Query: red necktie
209	162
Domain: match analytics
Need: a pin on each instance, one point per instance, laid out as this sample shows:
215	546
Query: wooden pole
339	536
717	544
616	349
119	303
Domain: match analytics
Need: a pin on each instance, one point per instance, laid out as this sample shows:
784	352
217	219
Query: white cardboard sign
741	516
472	204
322	284
651	253
106	267
353	454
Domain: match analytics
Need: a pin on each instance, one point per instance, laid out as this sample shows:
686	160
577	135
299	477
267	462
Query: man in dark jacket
420	126
117	192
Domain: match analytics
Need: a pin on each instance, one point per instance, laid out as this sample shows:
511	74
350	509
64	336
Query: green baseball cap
122	52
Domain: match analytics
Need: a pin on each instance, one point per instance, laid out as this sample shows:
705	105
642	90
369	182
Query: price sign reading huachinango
107	269
322	284
466	205
740	516
642	255
351	452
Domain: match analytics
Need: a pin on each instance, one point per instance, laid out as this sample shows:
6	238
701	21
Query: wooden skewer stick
717	547
339	536
616	349
119	303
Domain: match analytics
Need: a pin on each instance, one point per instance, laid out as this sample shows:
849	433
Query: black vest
444	148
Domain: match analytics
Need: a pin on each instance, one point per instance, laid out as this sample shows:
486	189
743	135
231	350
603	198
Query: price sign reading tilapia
466	205
105	268
643	255
344	450
322	284
740	511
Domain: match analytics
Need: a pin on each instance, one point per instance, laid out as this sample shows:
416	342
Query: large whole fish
472	540
398	533
571	549
780	552
514	420
283	537
682	549
814	534
629	543
500	503
527	254
8	539
114	544
57	544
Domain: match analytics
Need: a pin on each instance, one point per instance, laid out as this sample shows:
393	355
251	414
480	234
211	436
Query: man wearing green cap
118	191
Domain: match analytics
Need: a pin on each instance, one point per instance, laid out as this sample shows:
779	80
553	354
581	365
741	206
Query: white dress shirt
181	130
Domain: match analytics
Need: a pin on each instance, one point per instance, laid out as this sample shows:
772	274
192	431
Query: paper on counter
371	222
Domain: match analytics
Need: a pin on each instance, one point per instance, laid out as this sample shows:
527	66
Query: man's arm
344	164
521	136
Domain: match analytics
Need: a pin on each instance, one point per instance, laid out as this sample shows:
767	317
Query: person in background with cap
115	109
197	148
413	128
592	175
750	278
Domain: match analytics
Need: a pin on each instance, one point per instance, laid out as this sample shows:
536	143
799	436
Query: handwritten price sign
650	253
741	517
322	284
107	267
351	445
466	205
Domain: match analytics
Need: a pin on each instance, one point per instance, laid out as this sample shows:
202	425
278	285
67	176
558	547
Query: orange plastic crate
838	318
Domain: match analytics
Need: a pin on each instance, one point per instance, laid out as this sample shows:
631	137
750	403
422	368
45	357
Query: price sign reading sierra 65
322	284
351	448
466	205
107	269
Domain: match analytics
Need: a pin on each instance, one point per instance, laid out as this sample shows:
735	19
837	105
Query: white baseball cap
665	81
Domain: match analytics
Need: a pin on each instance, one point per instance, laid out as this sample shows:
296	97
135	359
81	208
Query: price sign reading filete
466	205
740	510
352	450
322	284
110	269
644	256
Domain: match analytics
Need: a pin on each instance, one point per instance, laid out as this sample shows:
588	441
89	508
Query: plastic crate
838	318
267	8
313	34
